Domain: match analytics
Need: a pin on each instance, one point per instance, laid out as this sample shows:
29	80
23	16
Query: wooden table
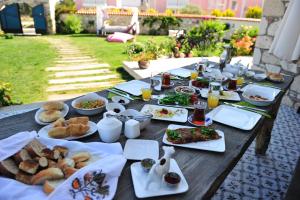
203	170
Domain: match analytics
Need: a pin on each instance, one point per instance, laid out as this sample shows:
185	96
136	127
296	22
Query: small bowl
135	113
89	97
254	91
172	179
184	90
250	74
115	107
260	77
122	100
147	164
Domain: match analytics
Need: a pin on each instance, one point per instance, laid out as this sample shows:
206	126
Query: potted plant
143	59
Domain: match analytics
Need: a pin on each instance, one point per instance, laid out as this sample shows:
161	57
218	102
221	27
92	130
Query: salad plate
181	72
235	117
138	149
166	113
139	178
176	100
133	87
212	145
225	95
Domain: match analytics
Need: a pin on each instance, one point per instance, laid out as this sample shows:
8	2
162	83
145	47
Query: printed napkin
95	181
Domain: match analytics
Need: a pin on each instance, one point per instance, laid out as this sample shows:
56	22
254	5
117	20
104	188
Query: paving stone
78	67
75	57
79	86
81	72
82	79
54	97
76	61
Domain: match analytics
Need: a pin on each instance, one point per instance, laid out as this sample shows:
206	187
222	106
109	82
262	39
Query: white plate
43	132
182	72
133	87
253	90
138	149
64	113
181	114
139	177
212	145
234	117
230	95
266	89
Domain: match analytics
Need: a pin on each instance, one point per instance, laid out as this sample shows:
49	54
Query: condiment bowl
147	164
172	179
122	100
260	77
256	91
135	113
89	97
115	107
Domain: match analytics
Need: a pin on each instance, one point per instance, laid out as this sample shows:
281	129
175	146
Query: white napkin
110	160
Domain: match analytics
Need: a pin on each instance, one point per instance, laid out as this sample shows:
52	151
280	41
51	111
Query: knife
120	94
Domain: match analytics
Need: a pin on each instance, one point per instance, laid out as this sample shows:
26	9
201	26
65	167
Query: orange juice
146	94
194	75
212	100
240	81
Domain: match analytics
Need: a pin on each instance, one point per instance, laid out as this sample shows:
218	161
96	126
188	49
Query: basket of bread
50	112
275	77
73	128
36	164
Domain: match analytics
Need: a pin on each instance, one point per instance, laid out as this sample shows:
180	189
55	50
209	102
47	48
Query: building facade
239	6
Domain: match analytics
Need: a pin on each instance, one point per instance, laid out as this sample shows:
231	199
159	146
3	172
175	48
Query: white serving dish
89	97
43	132
177	90
181	114
116	99
254	90
229	95
250	74
139	177
135	113
260	77
213	145
182	72
112	106
133	87
234	117
138	149
266	89
64	113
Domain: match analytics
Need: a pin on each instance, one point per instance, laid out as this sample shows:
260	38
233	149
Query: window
93	3
131	3
233	5
177	3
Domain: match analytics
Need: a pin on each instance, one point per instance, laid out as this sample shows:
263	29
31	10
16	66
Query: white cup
132	129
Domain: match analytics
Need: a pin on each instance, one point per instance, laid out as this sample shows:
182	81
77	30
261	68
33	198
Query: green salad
173	98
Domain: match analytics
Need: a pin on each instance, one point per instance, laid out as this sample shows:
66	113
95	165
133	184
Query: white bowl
227	74
178	90
134	113
89	97
253	91
116	99
114	106
250	74
260	77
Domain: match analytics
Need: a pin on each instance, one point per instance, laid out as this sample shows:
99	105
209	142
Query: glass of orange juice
213	100
194	75
240	81
146	94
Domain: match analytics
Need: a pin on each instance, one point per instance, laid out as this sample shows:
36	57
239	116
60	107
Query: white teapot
109	129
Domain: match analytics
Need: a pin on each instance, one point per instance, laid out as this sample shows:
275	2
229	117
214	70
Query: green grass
23	62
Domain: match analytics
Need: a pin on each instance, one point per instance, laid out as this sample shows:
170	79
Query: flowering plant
5	99
243	40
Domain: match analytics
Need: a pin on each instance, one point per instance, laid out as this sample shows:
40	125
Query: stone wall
273	12
49	7
187	22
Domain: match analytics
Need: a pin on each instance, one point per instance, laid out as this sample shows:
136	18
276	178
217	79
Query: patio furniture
203	170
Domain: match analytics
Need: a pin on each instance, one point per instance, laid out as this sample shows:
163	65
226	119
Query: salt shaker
132	129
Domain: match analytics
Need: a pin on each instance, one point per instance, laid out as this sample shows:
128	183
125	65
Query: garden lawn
22	63
109	52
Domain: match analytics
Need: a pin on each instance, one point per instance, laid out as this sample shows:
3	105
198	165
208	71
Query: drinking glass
155	81
213	95
199	113
146	94
240	81
194	75
166	79
232	83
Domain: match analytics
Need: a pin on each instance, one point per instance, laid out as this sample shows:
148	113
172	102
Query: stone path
76	72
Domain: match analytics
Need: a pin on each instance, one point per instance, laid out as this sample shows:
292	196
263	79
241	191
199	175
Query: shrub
134	48
166	48
152	11
8	36
217	13
190	9
243	40
73	24
169	12
65	6
5	99
164	23
228	13
254	12
1	33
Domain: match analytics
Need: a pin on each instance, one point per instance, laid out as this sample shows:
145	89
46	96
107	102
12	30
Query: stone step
69	51
78	67
63	58
76	61
81	72
55	97
79	86
82	79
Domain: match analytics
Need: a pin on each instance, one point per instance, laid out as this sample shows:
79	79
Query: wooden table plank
204	170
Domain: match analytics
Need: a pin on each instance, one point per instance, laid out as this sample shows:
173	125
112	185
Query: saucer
168	86
208	121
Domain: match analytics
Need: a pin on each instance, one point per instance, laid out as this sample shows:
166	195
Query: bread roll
81	157
78	120
35	148
52	164
62	150
66	162
51	154
69	171
59	132
8	168
80	165
49	186
77	130
49	116
47	174
43	162
21	156
29	166
54	105
61	122
24	178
